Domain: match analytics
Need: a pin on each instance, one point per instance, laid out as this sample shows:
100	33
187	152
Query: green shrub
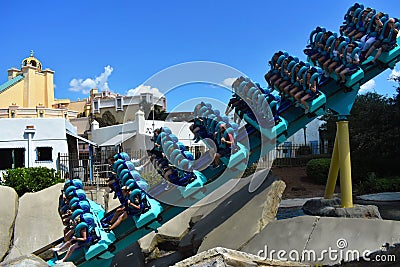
318	169
375	184
25	180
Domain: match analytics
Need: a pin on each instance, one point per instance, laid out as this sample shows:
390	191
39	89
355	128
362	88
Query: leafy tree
374	126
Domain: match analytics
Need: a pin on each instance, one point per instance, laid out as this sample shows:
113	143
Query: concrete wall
12	95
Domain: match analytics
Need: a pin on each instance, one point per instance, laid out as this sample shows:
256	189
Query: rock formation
8	211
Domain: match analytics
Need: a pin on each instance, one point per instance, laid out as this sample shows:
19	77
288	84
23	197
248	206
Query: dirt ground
298	185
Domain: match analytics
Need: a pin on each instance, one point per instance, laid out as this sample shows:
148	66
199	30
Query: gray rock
175	229
293	202
172	231
391	254
287	235
221	257
25	261
8	211
148	242
248	221
332	208
221	205
353	234
309	234
37	222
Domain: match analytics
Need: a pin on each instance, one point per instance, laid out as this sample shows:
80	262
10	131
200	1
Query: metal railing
285	155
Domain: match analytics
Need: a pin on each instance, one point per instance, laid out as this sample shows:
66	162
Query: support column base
332	208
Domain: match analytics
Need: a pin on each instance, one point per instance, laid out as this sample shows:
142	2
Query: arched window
33	63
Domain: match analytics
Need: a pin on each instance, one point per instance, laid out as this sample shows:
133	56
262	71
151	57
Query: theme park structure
270	116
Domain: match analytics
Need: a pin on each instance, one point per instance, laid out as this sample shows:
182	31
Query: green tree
374	134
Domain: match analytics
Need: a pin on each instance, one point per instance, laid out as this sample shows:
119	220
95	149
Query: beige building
109	108
29	93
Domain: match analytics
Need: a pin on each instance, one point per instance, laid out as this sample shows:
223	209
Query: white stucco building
135	135
34	142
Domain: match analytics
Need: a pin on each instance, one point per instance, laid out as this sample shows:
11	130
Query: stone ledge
228	257
332	208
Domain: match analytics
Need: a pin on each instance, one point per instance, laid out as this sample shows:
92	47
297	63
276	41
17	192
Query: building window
44	154
118	103
96	106
143	98
12	158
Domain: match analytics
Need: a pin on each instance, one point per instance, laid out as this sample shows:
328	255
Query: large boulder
175	229
8	211
248	221
311	237
25	261
223	257
37	223
32	261
332	208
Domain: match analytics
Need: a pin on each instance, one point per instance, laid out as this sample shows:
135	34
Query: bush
318	169
25	180
361	167
375	184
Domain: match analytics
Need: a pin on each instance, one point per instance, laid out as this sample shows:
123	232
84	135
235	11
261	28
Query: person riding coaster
75	182
135	205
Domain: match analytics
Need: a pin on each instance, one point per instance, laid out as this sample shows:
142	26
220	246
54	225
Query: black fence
95	171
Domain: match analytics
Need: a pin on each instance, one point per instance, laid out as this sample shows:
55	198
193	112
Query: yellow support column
342	137
333	171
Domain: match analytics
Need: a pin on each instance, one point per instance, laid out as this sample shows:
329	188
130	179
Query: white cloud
394	73
84	85
228	82
366	87
145	89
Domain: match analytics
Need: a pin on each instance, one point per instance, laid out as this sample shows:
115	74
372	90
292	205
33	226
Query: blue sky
124	43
